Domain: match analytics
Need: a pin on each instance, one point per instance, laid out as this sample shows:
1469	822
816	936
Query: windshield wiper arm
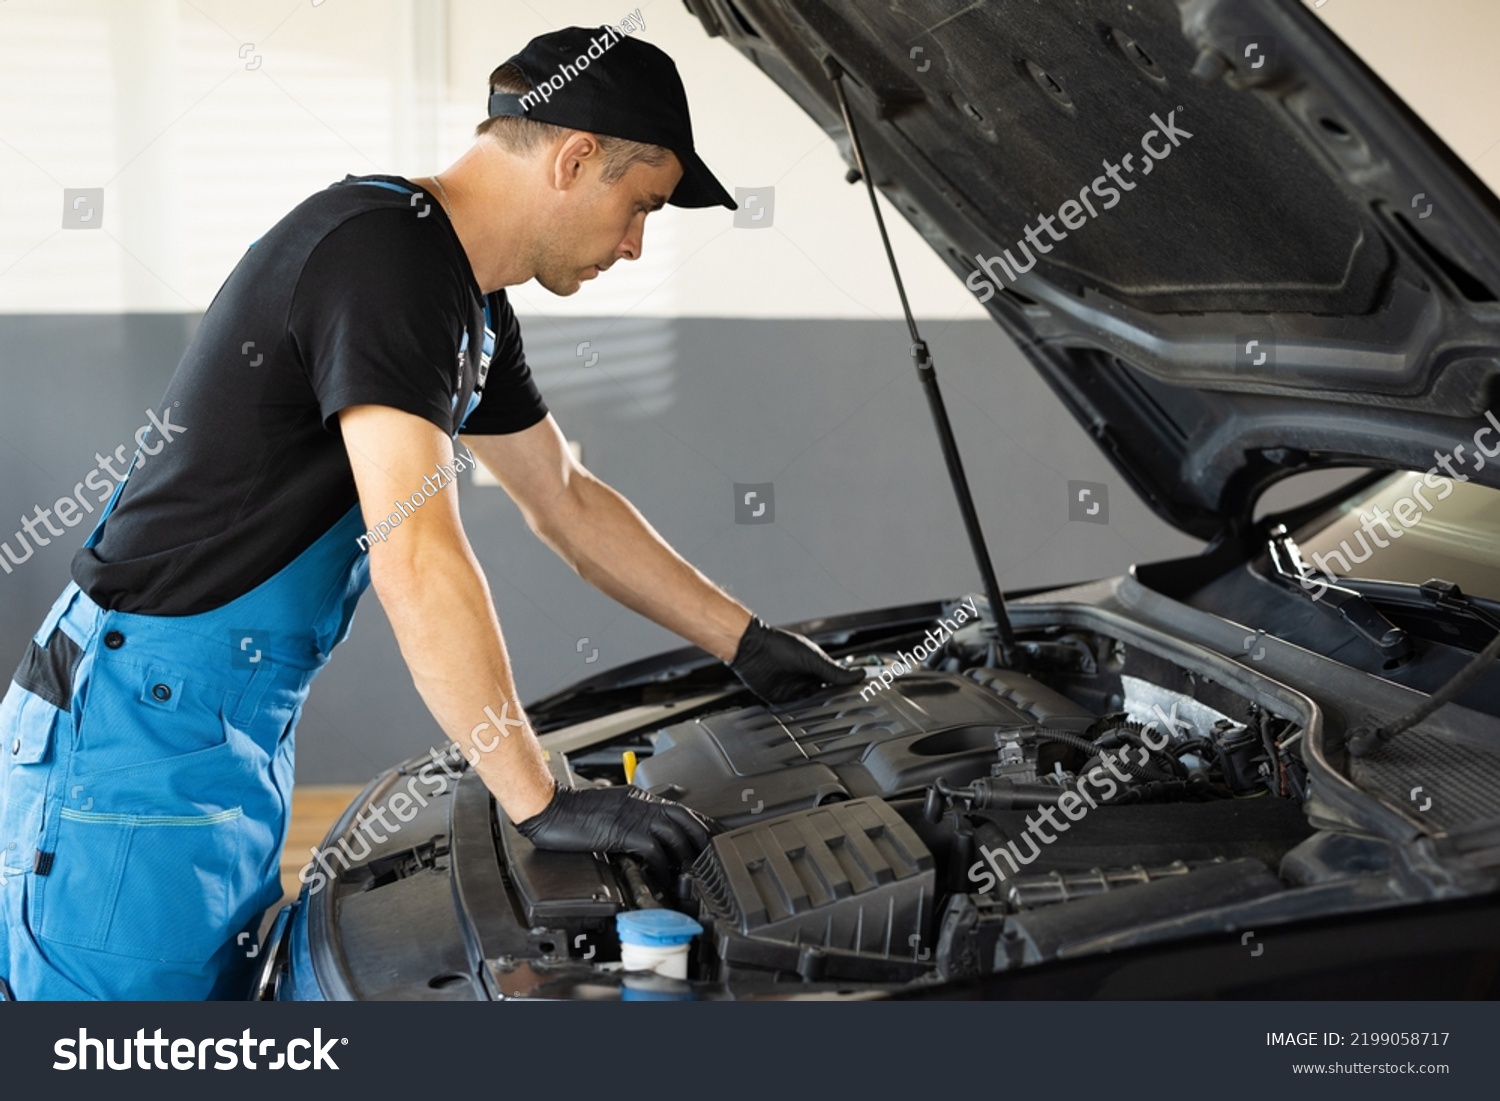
1448	596
1445	594
1362	616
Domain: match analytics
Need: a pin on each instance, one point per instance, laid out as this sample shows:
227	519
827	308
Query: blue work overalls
147	775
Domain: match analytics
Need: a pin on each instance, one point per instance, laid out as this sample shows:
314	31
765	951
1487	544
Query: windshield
1407	529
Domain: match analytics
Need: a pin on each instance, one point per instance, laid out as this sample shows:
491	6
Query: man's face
594	224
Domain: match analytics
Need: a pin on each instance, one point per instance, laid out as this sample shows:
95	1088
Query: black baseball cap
606	82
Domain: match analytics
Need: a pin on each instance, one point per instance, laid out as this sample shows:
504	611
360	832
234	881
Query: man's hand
779	666
623	820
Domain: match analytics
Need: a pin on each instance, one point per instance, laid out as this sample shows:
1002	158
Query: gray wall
673	414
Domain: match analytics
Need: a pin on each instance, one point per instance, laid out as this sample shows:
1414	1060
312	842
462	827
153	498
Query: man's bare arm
439	603
606	540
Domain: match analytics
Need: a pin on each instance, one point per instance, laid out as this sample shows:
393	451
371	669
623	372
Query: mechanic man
148	735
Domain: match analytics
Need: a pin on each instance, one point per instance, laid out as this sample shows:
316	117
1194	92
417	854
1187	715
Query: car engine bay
947	819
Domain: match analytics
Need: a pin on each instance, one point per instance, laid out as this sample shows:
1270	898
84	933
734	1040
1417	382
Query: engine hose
1113	729
1144	773
1176	767
1113	724
1140	772
1063	737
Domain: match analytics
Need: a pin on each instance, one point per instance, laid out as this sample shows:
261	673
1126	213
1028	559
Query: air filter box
839	891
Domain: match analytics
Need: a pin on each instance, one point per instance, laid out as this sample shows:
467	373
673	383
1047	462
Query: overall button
15	748
162	692
114	640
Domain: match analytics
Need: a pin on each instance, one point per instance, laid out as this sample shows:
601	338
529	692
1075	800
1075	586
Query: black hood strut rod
922	357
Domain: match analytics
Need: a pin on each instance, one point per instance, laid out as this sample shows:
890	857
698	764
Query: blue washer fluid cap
655	928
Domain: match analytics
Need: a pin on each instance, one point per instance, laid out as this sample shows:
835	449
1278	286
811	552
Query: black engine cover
752	763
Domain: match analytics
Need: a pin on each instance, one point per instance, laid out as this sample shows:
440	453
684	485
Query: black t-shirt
356	297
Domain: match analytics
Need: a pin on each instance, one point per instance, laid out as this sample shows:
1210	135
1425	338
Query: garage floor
314	810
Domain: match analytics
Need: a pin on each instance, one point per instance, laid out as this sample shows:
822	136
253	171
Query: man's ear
578	151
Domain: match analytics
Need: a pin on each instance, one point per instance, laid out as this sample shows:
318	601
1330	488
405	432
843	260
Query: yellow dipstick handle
629	758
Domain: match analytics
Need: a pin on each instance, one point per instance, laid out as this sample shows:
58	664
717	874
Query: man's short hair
523	135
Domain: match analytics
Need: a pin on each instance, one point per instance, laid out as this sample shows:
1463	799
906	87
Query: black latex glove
620	820
779	666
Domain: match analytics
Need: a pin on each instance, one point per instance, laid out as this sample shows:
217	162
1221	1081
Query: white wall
199	154
1439	56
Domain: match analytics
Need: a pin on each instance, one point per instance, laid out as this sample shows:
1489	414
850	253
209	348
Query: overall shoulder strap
384	184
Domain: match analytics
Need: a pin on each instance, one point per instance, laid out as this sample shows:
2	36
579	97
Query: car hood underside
1307	277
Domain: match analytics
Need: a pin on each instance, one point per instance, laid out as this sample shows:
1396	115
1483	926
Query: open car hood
1307	279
